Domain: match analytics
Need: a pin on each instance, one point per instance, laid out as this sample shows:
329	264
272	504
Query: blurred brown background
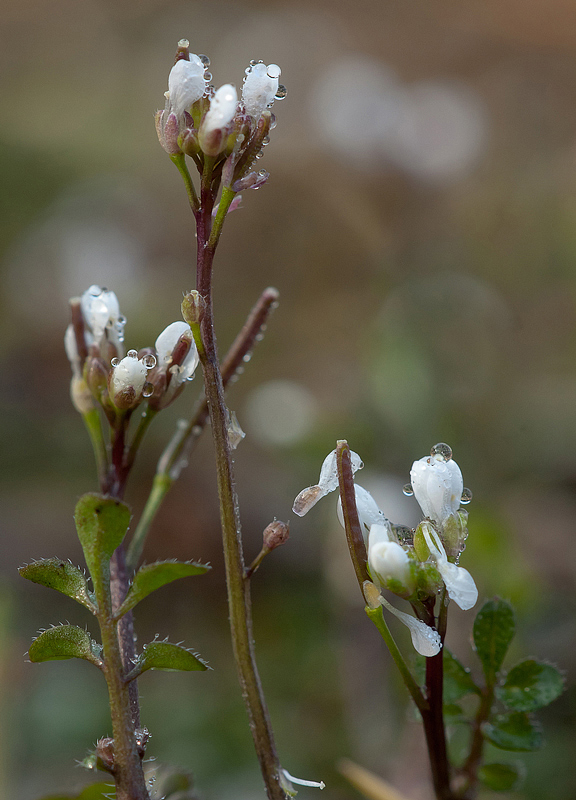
420	224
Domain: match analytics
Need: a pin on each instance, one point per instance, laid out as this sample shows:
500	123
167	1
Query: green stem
376	615
145	420
94	427
225	200
160	488
180	161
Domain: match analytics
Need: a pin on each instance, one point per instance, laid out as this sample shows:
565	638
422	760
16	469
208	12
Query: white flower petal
186	84
260	87
459	582
327	483
222	109
129	373
386	559
425	639
437	486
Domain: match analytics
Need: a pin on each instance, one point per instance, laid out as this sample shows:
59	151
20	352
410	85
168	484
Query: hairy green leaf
457	679
61	576
501	777
515	731
101	523
531	685
152	576
494	628
166	656
61	642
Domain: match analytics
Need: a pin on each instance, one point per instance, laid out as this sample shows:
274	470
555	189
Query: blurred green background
420	224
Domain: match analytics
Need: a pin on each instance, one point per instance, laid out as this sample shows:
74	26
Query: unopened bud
193	307
81	395
105	754
127	381
276	534
168	130
186	84
214	128
260	88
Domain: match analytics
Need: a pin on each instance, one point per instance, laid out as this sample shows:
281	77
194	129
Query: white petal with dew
327	483
128	373
260	87
459	583
185	84
425	639
222	109
368	512
437	486
386	559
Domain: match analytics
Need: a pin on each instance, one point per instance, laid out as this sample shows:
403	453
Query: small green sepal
64	641
494	629
501	777
153	576
515	731
531	685
62	576
166	656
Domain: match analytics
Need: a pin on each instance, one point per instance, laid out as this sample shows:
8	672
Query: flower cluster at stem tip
102	374
417	565
215	126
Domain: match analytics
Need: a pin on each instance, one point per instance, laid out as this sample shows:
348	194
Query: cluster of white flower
200	121
100	370
416	566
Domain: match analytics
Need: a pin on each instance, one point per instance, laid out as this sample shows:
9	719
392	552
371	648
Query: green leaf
96	791
166	656
515	731
101	523
152	576
453	714
501	777
457	679
493	631
64	641
531	685
61	576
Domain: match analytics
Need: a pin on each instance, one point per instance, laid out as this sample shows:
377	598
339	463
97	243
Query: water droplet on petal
273	122
441	450
281	93
265	141
204	59
207	77
408	490
132	353
148	389
149	361
466	496
115	362
121	320
253	62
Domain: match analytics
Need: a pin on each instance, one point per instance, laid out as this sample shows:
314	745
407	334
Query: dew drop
121	320
265	141
262	173
204	59
281	93
148	389
443	450
408	490
253	62
274	71
95	291
260	154
239	370
466	496
259	337
273	122
132	353
149	361
196	430
207	77
246	357
115	362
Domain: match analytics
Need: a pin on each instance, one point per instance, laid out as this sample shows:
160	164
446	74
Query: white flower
165	344
127	380
260	87
101	313
368	512
222	109
437	485
327	483
186	84
426	640
387	560
459	583
72	351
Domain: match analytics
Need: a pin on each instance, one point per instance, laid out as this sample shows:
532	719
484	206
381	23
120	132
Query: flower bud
177	360
193	307
275	534
437	484
213	130
389	564
186	84
168	130
82	398
103	321
105	754
127	379
260	88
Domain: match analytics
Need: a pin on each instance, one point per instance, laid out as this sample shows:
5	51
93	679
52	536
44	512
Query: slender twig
239	603
352	525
